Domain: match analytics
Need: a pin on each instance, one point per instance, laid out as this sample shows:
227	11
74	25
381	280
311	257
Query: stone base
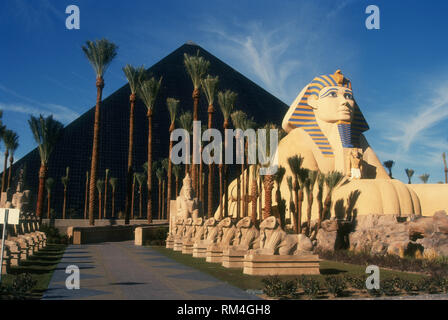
213	255
233	258
199	252
169	243
266	265
187	247
177	245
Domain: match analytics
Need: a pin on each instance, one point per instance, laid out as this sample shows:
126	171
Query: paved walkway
120	270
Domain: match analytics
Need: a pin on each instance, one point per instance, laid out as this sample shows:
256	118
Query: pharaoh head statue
187	189
328	99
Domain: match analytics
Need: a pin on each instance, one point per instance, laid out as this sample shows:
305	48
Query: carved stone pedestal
213	254
177	245
169	243
199	251
232	258
265	265
187	247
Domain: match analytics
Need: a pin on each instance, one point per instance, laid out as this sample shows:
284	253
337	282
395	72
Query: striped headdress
304	117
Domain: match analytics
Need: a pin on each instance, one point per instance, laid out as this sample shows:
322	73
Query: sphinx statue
184	230
246	238
192	234
210	236
226	234
325	126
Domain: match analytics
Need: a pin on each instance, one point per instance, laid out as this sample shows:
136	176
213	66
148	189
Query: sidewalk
122	271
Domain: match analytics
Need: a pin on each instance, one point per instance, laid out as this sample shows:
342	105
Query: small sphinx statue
192	235
273	240
209	237
246	235
226	234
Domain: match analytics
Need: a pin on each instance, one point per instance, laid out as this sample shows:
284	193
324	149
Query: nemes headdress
304	117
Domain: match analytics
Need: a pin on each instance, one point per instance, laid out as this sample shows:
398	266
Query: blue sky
398	72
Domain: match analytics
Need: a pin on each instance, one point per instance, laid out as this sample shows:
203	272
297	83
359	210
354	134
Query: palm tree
254	193
106	183
238	120
210	87
140	177
148	91
11	140
65	180
295	164
268	179
46	132
173	106
133	195
100	187
159	174
332	180
446	168
186	123
134	77
113	183
409	173
196	68
309	188
49	183
389	164
100	54
86	197
176	172
226	101
278	178
424	177
165	164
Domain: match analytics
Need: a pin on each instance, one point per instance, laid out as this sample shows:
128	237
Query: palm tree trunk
65	203
130	172
310	206
160	199
140	208
296	207
177	187
278	198
40	193
220	191
163	200
170	183
225	173
11	160
299	212
238	197
254	200
113	203
86	196
132	200
194	168
260	194
243	187
149	206
4	170
94	163
210	169
99	205
201	186
48	204
268	180
327	205
105	197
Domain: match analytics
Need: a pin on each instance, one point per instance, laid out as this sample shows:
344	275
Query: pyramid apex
191	43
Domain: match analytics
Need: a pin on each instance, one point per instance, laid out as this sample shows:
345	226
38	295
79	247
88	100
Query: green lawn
40	266
243	281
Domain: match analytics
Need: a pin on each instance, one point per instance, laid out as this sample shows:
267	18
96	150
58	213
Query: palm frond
196	67
238	119
289	182
424	177
134	76
173	106
303	177
66	179
176	169
295	163
332	179
160	174
10	138
100	185
165	163
49	183
186	121
46	132
409	172
113	183
278	176
100	54
210	87
140	177
148	91
226	101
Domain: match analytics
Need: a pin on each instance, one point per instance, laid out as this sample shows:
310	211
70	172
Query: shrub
20	288
311	287
433	284
53	235
275	287
375	292
390	287
336	285
357	283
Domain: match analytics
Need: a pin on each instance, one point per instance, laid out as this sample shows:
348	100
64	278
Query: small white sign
13	215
